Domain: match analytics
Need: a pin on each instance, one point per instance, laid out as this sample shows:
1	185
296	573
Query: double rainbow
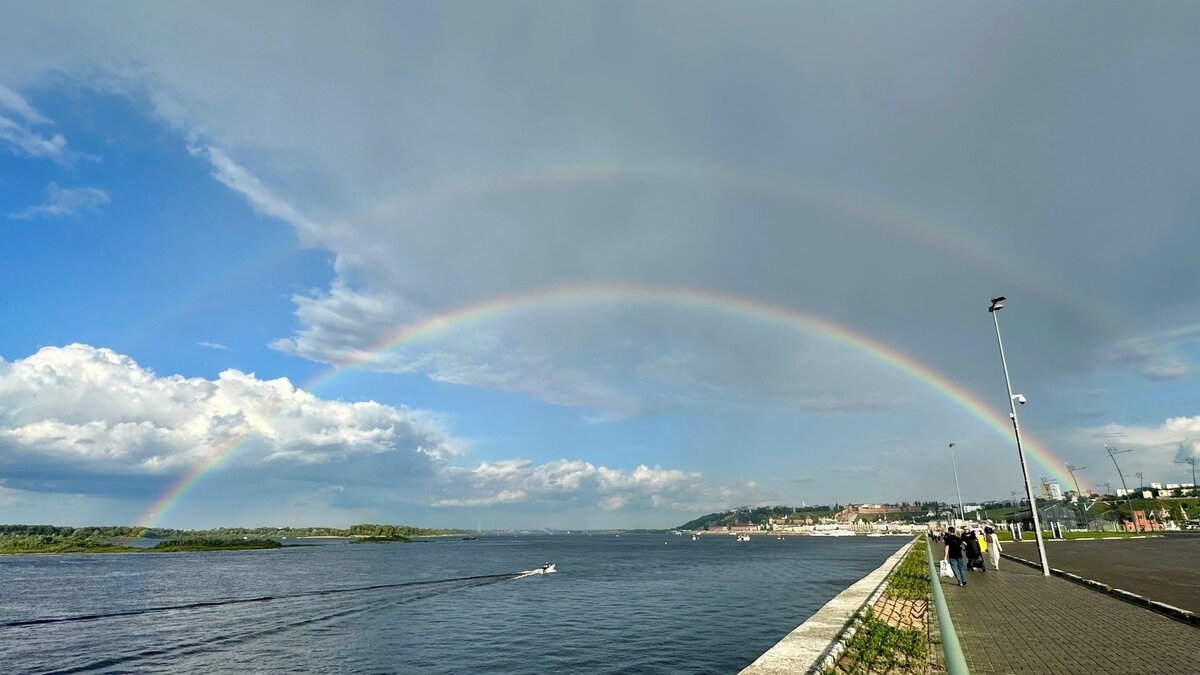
577	297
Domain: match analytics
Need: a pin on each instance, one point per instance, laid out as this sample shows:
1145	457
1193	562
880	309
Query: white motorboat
695	537
548	568
743	537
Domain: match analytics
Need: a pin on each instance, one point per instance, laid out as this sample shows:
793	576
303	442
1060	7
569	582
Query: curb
1170	611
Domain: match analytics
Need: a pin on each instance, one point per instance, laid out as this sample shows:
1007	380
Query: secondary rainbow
575	297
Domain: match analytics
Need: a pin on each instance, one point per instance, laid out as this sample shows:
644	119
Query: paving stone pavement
1017	621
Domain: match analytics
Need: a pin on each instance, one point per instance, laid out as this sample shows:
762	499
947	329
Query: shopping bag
945	569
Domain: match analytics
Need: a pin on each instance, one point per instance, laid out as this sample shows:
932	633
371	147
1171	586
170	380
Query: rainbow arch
577	296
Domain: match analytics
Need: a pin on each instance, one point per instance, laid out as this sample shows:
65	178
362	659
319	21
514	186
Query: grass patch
878	647
910	579
182	545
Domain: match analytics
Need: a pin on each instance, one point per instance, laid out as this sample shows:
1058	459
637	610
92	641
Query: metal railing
956	662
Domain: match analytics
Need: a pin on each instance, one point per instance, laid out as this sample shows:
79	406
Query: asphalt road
1166	569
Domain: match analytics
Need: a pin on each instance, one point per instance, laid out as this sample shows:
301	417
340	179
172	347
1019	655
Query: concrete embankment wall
804	649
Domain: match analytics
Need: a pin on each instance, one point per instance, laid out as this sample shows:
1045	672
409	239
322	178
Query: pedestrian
993	547
972	550
954	553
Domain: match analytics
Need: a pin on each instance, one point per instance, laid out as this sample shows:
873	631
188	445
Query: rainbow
862	207
575	297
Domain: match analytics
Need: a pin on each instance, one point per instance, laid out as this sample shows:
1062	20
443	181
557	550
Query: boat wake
203	604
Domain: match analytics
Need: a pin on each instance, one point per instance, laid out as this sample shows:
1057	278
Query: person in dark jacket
973	551
954	553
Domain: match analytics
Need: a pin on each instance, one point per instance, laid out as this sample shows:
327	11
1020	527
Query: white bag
945	569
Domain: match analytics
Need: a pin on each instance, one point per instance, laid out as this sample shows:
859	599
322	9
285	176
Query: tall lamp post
1012	414
1112	454
961	515
1071	469
1192	461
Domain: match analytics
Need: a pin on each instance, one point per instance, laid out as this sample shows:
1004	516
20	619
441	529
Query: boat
470	538
548	568
743	537
695	537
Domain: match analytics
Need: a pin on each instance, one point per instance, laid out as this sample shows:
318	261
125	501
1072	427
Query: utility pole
1112	454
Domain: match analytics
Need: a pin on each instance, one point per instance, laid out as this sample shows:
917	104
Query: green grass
880	648
182	545
877	647
910	580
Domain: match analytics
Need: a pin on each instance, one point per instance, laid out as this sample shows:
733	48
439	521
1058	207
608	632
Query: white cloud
213	345
62	201
25	141
15	103
1155	357
1155	448
580	483
91	410
261	198
92	415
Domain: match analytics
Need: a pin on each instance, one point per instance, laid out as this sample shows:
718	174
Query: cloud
1155	357
85	411
213	345
61	202
26	142
12	102
261	198
88	420
1155	447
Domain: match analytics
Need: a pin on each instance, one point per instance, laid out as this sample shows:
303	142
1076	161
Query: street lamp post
1112	454
1192	461
1012	414
961	515
1071	469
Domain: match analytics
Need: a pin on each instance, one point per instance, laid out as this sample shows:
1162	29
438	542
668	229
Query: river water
618	604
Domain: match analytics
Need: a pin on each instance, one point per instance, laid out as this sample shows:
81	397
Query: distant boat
470	538
695	537
743	537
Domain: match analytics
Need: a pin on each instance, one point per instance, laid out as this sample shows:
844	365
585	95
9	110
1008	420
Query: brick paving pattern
1162	568
1017	621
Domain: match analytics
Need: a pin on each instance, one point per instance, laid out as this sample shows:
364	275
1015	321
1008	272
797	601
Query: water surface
627	604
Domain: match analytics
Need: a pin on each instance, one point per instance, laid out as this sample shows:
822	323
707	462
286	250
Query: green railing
956	663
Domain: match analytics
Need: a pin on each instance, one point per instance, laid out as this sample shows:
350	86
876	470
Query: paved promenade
1017	621
1160	568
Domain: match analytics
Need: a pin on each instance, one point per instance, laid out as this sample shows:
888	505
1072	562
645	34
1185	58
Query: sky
591	264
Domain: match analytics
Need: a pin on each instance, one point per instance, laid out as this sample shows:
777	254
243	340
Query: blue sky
204	211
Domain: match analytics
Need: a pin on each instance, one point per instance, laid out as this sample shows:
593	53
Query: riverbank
809	644
49	546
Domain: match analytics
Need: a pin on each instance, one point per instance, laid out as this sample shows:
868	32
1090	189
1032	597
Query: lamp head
996	303
1019	398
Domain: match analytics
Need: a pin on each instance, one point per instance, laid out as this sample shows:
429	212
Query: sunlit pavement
1159	568
1017	621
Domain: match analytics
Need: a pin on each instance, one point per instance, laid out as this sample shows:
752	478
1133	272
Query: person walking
993	547
954	554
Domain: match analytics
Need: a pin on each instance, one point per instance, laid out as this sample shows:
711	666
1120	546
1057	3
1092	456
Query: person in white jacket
993	547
